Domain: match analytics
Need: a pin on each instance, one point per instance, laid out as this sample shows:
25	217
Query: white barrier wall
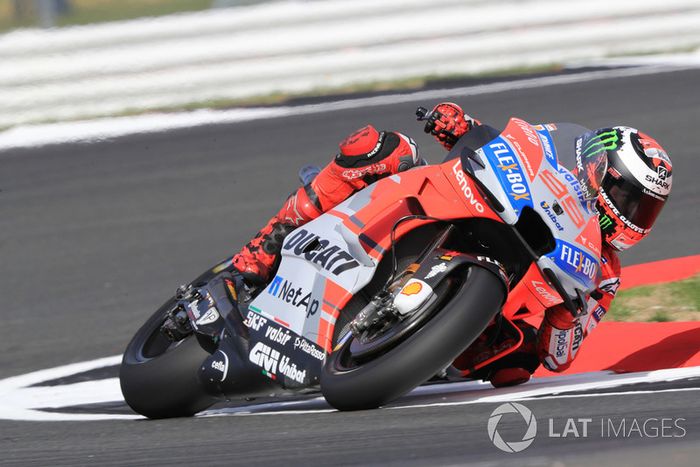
299	47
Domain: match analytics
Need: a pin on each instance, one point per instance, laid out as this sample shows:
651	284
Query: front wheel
464	311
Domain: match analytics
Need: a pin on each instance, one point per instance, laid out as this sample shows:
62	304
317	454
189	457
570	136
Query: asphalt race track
94	236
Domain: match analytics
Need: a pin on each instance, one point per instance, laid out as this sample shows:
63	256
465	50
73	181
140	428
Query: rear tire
160	380
413	361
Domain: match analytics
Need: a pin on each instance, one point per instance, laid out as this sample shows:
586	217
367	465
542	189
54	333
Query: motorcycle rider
634	189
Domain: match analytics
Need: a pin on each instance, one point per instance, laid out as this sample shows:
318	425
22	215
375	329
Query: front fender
441	263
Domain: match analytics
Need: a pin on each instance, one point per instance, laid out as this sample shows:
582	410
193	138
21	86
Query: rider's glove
559	338
448	124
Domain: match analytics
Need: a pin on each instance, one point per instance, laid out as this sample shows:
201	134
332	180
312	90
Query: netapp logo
284	290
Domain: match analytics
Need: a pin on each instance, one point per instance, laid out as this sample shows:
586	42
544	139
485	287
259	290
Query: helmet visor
638	207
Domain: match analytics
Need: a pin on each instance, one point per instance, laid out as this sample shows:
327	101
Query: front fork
409	290
437	264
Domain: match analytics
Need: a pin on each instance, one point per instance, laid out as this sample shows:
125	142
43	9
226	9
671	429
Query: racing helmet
635	186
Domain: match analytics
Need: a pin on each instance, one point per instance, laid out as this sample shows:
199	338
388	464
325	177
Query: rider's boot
515	368
259	256
365	156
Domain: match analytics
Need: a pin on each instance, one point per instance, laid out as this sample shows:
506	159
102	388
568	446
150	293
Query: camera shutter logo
528	437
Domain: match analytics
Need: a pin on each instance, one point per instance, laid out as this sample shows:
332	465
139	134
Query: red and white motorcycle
384	291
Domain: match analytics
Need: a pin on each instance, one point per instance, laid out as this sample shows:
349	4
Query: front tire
413	361
158	378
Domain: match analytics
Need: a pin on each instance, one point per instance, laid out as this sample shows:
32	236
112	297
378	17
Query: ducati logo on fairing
331	257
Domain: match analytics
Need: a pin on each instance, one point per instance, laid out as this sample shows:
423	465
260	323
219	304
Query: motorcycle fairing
334	256
330	259
550	151
512	168
283	355
316	263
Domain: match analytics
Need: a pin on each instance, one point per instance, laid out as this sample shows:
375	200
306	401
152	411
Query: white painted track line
19	401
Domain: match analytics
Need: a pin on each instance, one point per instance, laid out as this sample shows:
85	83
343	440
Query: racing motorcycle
384	291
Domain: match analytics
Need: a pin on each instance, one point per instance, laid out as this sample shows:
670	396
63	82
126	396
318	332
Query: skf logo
255	321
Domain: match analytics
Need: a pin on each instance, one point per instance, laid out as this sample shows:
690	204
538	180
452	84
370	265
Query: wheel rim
157	344
151	343
354	352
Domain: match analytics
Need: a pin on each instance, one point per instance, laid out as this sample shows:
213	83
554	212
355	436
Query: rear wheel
158	377
367	376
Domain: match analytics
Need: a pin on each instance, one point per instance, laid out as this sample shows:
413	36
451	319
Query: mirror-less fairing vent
535	232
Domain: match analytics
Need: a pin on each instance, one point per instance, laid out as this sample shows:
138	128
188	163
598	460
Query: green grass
675	301
647	52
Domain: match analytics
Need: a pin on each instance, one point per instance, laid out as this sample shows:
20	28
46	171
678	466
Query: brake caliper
374	313
177	323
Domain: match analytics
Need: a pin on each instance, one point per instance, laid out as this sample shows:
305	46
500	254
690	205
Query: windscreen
581	151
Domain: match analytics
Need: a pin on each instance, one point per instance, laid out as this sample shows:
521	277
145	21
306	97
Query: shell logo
412	289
